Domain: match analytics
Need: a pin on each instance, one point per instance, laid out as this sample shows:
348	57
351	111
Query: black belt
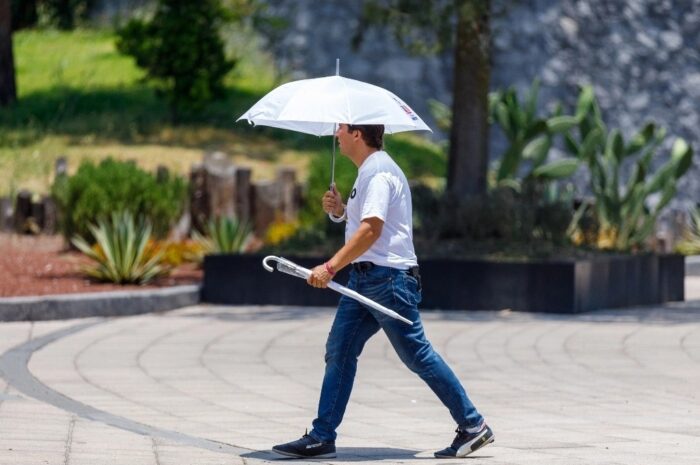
366	266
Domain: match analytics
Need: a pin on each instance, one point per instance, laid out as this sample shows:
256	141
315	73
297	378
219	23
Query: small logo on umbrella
407	109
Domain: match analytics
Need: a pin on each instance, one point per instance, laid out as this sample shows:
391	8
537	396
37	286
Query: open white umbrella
317	106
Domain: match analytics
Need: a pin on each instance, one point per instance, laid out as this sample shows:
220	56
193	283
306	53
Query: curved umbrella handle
286	266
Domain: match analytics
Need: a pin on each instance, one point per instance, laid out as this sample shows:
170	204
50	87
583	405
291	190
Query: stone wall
642	57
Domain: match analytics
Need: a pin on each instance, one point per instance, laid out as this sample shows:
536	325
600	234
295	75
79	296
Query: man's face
345	138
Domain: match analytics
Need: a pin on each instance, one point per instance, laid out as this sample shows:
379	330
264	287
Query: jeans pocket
405	291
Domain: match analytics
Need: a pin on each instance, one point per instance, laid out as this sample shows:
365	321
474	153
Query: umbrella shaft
333	157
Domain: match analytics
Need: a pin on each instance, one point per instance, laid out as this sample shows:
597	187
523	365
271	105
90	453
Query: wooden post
50	223
23	211
266	205
243	193
199	198
37	219
286	179
220	184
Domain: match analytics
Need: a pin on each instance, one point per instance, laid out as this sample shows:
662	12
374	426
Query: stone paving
219	385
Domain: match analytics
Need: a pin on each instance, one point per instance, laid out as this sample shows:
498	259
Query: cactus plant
623	210
530	138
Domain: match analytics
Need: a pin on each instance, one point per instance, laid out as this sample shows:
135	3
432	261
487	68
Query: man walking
379	247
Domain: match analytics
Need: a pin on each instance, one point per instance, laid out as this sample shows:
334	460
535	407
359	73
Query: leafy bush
225	235
96	191
537	214
120	252
181	51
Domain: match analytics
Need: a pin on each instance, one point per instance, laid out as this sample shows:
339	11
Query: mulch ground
42	265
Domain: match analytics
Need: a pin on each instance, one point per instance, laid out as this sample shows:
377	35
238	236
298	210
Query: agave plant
120	251
224	235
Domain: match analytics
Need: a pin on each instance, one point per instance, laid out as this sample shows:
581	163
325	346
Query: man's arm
367	234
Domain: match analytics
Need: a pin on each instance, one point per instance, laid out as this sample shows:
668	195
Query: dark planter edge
550	286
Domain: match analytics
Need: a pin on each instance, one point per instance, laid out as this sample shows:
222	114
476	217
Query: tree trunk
24	14
468	157
8	90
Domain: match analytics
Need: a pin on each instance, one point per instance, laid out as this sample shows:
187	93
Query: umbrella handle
286	266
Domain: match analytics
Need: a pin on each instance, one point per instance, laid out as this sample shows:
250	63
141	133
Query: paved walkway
219	385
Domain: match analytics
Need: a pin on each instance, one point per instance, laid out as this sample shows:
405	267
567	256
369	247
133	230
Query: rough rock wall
642	57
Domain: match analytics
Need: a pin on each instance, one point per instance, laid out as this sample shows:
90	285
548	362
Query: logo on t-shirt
353	193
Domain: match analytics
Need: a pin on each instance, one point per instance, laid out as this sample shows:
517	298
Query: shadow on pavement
261	313
675	312
355	454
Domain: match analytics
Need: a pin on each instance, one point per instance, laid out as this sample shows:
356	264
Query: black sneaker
307	448
466	443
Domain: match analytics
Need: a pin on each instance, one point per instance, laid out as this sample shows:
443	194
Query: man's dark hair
372	134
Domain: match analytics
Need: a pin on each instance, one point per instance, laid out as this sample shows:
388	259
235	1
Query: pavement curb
116	303
692	265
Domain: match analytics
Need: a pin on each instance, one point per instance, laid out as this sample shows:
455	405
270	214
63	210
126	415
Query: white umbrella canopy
316	106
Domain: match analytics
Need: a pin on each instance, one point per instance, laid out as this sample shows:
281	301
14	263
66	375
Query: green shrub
537	214
120	252
181	51
96	191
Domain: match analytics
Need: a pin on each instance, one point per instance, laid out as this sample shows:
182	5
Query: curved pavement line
14	369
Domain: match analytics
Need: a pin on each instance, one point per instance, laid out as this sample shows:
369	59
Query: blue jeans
354	324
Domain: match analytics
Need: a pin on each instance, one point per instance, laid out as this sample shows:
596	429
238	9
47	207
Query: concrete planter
563	286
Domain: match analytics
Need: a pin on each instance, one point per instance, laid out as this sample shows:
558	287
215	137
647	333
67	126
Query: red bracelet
329	269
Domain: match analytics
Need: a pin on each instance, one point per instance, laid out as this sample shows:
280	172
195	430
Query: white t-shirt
381	190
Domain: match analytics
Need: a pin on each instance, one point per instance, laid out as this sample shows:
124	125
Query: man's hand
319	276
333	202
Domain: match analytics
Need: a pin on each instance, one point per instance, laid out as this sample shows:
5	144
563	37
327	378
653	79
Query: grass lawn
79	98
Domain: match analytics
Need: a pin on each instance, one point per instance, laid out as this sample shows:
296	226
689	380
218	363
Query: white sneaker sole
475	444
